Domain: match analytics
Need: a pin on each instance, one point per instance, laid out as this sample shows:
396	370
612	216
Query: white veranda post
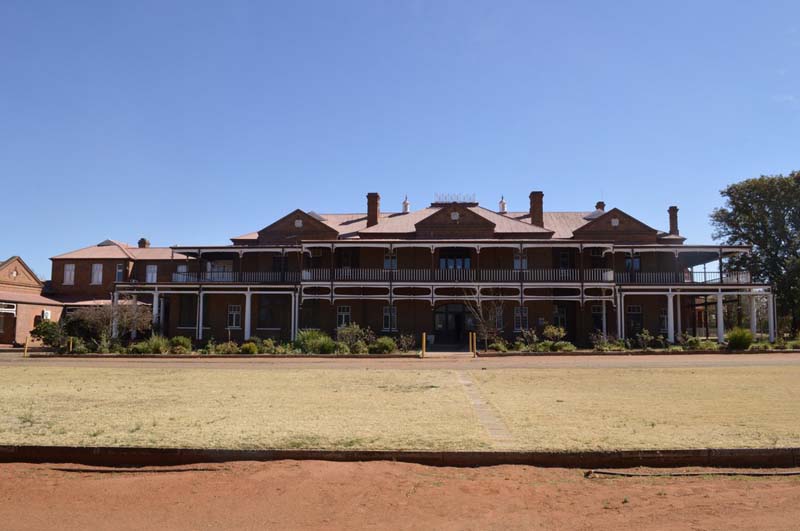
771	316
114	318
156	308
753	315
670	319
720	319
247	312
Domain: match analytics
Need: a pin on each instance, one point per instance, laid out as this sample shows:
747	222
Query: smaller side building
22	304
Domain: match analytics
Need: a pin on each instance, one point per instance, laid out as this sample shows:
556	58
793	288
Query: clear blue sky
190	122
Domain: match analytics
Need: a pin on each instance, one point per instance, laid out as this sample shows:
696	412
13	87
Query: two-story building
427	270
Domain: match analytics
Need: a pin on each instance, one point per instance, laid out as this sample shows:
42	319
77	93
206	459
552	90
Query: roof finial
406	205
503	205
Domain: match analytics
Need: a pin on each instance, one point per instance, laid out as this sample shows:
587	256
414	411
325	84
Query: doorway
449	324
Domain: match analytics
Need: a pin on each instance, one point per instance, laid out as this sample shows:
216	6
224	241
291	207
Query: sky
189	122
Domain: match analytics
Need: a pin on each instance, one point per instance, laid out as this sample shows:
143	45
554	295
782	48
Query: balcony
245	277
674	277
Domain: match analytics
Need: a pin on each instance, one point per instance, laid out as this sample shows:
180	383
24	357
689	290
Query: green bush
544	346
50	333
325	345
79	346
499	344
249	348
675	348
180	345
158	344
527	337
359	348
383	345
406	342
554	333
644	339
739	339
311	341
563	346
140	347
341	348
519	346
691	343
708	345
227	348
794	345
353	333
267	346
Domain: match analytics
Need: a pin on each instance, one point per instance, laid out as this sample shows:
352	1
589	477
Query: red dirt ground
383	495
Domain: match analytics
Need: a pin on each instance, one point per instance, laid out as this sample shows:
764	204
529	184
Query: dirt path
450	363
314	495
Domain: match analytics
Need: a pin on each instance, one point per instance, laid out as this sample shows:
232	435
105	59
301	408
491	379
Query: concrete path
458	362
491	420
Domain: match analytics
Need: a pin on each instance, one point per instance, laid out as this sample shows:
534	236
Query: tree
98	321
484	315
765	213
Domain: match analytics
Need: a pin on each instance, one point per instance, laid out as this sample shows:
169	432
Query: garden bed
403	355
497	354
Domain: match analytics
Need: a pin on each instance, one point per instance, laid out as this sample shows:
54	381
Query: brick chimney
600	206
144	243
673	221
373	208
537	208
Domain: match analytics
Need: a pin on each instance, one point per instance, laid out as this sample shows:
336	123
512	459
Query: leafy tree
765	213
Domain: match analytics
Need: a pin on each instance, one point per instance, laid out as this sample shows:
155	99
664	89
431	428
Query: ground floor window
390	318
268	313
597	316
634	313
187	311
520	318
343	316
498	318
234	316
662	321
2	323
560	316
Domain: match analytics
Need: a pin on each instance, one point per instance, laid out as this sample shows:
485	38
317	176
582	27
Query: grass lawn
578	409
553	409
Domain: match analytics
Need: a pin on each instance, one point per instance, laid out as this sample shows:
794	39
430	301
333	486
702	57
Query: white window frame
498	318
344	315
234	316
634	309
560	316
390	260
69	275
151	273
389	319
520	318
97	275
662	321
119	274
563	260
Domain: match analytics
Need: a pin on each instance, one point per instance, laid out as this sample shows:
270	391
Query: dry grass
553	409
236	409
578	409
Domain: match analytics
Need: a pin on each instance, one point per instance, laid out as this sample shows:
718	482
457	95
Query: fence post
70	344
25	353
424	343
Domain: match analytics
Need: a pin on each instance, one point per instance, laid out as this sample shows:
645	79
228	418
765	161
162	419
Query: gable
616	225
453	222
295	227
15	273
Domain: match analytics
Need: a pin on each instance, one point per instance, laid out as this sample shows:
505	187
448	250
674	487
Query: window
390	260
152	274
390	318
520	318
280	263
97	274
343	316
633	264
597	316
234	316
634	308
498	318
560	316
563	260
69	274
454	259
2	323
662	321
269	313
520	261
119	276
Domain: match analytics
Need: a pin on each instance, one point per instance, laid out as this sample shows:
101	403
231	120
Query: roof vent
599	210
503	205
406	205
143	243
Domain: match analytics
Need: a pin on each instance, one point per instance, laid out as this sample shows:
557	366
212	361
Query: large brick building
424	270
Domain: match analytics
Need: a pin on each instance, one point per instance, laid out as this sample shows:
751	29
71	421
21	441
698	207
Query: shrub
180	345
383	345
499	344
708	345
311	341
519	346
562	346
739	339
675	348
606	344
528	337
544	346
158	344
341	348
140	347
266	346
554	333
249	348
359	348
644	339
353	333
406	342
50	333
102	345
79	346
691	343
229	347
794	345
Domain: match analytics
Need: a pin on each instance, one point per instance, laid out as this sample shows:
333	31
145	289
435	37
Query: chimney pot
143	243
537	208
600	206
673	221
373	208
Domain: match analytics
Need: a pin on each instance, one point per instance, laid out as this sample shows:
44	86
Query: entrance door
448	324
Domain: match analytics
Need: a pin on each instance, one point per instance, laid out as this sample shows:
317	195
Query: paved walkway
458	362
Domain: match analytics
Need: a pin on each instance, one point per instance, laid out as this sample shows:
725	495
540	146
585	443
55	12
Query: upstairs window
119	275
343	316
563	260
97	274
390	318
151	274
633	264
69	274
390	260
520	260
